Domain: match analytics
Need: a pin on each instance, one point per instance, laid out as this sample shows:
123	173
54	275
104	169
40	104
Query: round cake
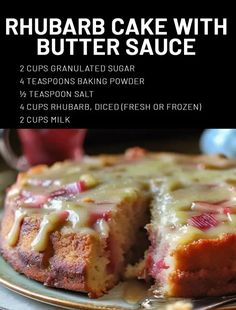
80	225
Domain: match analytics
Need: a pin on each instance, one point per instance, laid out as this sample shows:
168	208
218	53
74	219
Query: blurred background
97	141
117	140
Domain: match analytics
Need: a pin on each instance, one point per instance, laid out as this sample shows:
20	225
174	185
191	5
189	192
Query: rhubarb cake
77	225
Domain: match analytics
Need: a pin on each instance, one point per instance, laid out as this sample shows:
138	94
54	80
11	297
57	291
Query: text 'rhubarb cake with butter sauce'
78	225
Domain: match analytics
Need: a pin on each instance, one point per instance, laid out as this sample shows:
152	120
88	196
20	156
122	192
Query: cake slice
193	228
72	226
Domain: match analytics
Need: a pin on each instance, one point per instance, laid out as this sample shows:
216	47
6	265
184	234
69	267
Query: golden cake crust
64	264
206	267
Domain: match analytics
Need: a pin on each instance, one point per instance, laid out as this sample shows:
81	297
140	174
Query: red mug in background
43	146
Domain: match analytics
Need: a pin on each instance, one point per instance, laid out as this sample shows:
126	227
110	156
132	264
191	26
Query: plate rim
64	304
52	300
